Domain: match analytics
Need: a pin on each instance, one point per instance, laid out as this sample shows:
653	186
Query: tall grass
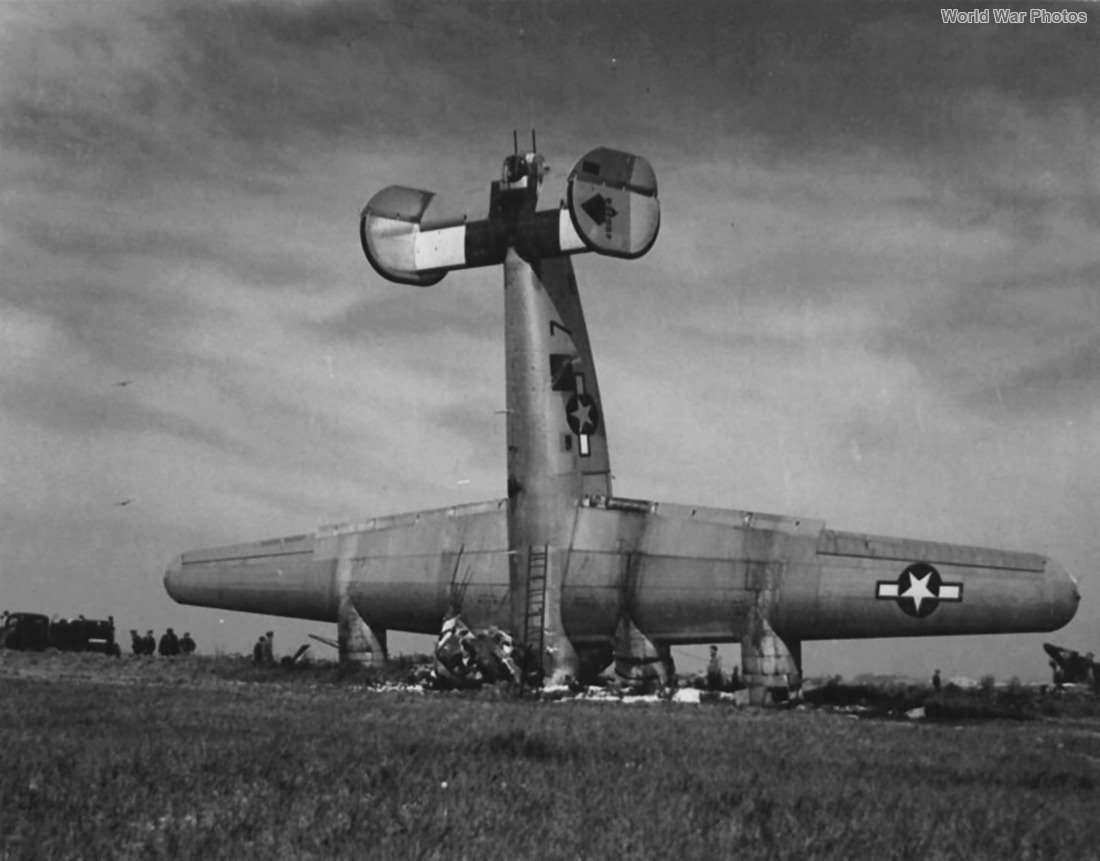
93	770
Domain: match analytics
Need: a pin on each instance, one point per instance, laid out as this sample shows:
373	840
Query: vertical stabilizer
557	449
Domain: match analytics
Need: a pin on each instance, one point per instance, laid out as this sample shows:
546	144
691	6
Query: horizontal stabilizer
404	246
613	209
613	203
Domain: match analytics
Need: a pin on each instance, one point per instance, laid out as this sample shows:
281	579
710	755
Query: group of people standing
169	646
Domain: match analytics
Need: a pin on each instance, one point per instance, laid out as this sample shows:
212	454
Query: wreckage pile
465	659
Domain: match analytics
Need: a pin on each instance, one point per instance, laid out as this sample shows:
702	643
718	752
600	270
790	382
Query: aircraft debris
465	659
328	641
1073	668
291	660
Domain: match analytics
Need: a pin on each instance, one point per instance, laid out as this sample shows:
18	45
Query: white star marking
918	590
583	415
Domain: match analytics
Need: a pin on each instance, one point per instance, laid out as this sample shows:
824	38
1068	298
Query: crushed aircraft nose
493	653
468	659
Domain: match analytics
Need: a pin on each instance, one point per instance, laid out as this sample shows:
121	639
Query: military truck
35	632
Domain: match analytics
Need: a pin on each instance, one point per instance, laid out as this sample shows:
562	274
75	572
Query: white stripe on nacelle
441	249
568	238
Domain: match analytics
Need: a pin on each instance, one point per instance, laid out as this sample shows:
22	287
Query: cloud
1066	383
417	312
140	98
133	96
73	411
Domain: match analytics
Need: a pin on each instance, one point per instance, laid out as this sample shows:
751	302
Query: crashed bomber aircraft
578	576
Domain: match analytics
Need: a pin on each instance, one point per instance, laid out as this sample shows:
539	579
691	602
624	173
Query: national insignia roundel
918	590
582	414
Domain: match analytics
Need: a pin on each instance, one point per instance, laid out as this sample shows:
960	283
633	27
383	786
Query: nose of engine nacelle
1063	592
172	575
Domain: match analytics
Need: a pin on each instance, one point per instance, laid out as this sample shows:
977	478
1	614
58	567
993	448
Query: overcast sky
874	298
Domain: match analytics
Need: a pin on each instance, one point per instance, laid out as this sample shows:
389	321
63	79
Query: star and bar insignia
581	411
919	590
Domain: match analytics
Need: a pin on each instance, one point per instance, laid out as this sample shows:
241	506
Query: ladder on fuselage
534	627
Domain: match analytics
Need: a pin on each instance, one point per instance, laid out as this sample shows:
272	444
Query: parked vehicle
35	632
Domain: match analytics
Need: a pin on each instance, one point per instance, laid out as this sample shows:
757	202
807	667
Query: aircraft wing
683	574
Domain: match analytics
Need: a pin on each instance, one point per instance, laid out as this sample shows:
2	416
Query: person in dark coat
187	645
169	644
258	651
149	642
137	646
715	678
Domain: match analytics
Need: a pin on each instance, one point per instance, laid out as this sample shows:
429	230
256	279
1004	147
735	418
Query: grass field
194	763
